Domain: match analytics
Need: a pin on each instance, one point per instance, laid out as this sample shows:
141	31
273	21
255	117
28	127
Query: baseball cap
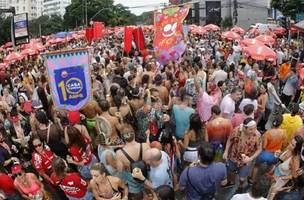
16	169
74	117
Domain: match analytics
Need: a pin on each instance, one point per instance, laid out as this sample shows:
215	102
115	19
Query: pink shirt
237	119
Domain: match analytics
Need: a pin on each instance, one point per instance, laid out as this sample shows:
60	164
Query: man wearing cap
242	148
7	188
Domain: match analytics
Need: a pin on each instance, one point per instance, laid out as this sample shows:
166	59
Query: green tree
146	18
289	7
112	15
5	30
47	25
226	22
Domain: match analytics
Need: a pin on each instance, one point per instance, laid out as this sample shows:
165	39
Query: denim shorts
267	158
85	170
243	171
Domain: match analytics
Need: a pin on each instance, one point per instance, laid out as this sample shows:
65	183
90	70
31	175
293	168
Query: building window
23	8
17	1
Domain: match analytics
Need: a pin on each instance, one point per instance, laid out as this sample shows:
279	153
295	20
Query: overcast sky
147	5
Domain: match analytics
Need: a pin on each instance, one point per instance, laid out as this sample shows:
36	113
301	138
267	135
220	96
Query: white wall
24	6
57	7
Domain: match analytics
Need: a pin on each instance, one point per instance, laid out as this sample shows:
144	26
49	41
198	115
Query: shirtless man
114	122
218	129
162	90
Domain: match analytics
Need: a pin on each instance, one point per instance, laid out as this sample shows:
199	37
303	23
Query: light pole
86	12
98	13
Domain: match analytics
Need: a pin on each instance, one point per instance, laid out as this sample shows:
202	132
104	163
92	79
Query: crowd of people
214	121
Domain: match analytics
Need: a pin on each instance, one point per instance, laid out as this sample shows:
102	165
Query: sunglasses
38	145
18	174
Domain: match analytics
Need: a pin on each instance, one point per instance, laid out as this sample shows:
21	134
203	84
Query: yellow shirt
291	124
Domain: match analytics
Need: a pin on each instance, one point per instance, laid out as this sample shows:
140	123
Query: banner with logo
169	36
69	78
20	29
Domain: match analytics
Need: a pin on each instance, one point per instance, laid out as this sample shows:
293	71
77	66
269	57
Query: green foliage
226	22
289	7
146	18
48	25
5	30
112	15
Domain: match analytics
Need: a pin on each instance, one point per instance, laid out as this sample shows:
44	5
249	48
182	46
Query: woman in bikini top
104	186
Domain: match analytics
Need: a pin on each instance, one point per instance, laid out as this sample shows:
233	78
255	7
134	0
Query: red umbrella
260	52
3	65
198	30
279	30
293	30
266	39
37	46
248	42
57	40
14	56
30	52
238	30
212	27
230	35
254	31
8	44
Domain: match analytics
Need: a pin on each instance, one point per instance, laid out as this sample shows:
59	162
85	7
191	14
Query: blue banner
69	78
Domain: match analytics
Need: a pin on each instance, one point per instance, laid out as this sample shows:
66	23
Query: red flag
128	39
169	37
89	34
97	30
139	39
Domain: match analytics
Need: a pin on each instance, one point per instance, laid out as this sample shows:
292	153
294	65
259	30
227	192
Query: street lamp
91	22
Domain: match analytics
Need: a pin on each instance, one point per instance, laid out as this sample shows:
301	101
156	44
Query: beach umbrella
266	39
29	52
3	65
212	27
238	30
248	42
14	56
260	52
230	35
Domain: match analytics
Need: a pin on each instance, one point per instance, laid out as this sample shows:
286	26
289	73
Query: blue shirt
204	179
181	116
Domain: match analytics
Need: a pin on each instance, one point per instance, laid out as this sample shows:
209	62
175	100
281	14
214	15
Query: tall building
23	6
39	7
243	12
3	3
55	7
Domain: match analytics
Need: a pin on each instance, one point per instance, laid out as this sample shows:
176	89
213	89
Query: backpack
137	164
